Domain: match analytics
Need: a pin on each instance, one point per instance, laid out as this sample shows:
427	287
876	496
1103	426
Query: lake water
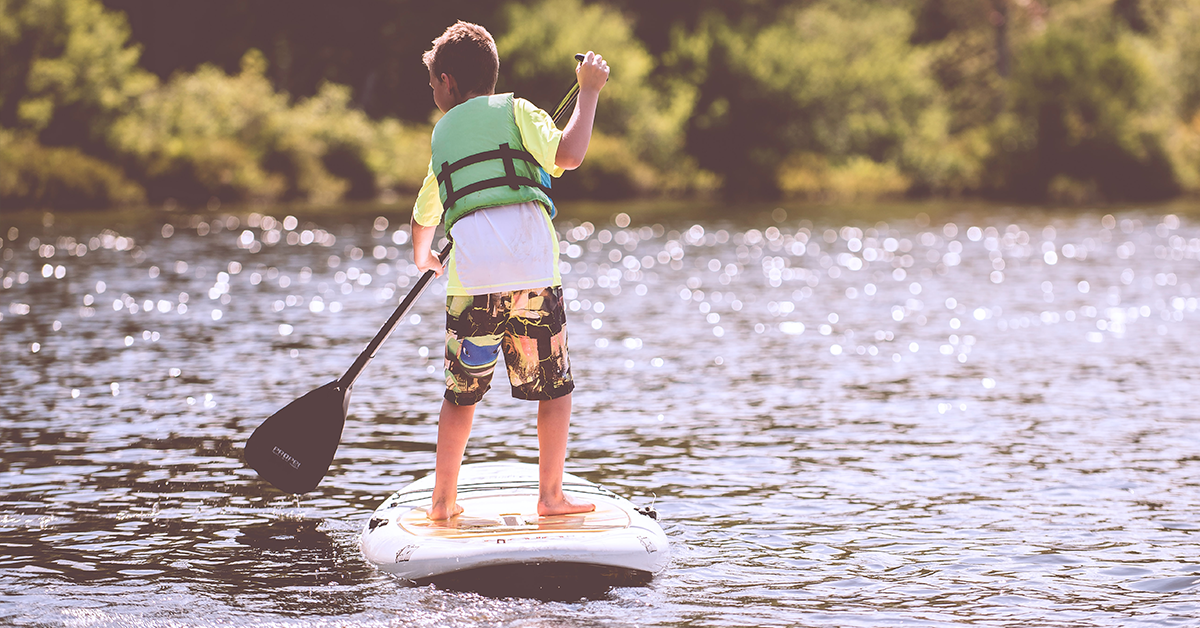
916	415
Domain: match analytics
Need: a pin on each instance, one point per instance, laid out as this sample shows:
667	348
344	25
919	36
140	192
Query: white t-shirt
501	249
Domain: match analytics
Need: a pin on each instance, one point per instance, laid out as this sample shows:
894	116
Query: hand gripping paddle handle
568	101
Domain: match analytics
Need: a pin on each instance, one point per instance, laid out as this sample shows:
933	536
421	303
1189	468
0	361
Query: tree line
138	101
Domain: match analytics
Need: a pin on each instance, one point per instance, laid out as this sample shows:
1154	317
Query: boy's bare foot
563	506
441	512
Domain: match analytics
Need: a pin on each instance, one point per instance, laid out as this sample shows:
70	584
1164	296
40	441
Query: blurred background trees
108	102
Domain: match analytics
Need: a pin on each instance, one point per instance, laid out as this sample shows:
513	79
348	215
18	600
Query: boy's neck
471	95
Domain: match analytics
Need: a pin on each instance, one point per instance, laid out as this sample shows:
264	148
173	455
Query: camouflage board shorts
529	326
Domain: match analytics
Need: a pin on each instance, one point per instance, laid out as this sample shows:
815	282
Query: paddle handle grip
568	101
356	369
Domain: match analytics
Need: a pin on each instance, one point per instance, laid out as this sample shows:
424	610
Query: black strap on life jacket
510	178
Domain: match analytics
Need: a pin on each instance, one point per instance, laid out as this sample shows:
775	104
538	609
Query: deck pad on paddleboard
508	514
500	535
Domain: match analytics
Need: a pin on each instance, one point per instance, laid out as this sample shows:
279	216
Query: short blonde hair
467	52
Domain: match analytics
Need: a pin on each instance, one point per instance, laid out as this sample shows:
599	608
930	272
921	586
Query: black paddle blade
294	447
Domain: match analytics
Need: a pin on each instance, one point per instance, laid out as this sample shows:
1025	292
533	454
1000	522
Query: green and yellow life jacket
481	162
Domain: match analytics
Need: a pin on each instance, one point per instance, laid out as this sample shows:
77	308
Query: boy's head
466	52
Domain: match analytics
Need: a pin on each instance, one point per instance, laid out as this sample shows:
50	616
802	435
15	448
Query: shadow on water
170	517
294	566
291	566
561	582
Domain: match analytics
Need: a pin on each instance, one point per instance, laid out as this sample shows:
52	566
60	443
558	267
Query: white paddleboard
500	543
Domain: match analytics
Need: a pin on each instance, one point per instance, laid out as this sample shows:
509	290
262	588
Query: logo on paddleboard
286	457
405	553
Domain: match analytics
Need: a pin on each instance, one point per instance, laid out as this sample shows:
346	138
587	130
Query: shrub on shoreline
35	176
208	134
1071	101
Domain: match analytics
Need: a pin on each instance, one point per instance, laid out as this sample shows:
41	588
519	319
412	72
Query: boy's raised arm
592	74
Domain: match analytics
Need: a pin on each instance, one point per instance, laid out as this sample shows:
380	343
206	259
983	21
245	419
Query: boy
492	158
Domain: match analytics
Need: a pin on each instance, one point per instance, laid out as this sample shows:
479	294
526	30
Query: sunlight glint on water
973	418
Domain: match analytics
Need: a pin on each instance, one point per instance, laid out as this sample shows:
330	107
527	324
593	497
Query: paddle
294	447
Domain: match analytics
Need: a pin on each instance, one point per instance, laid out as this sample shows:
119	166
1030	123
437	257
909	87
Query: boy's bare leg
454	428
554	423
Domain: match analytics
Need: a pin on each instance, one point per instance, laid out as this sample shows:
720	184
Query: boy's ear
450	83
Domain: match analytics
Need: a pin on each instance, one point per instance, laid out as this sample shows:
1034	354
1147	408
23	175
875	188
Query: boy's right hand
427	261
423	255
592	72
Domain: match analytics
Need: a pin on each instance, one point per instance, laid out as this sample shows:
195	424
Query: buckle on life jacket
510	179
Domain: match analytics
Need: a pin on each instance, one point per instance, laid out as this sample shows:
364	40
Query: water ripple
976	418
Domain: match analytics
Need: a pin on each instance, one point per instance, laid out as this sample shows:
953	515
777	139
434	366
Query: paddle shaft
351	374
356	369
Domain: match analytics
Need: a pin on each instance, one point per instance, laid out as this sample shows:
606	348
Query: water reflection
979	417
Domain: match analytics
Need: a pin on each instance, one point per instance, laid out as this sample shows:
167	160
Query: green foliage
964	64
205	134
1143	16
1180	47
639	145
69	77
209	134
67	70
1070	100
853	83
66	75
32	175
1084	105
835	79
1178	58
811	176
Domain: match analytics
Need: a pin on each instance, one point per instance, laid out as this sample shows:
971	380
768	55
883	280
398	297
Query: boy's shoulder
482	105
469	112
522	104
518	104
479	105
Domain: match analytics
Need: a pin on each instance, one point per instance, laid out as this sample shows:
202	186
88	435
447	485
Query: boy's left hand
592	72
